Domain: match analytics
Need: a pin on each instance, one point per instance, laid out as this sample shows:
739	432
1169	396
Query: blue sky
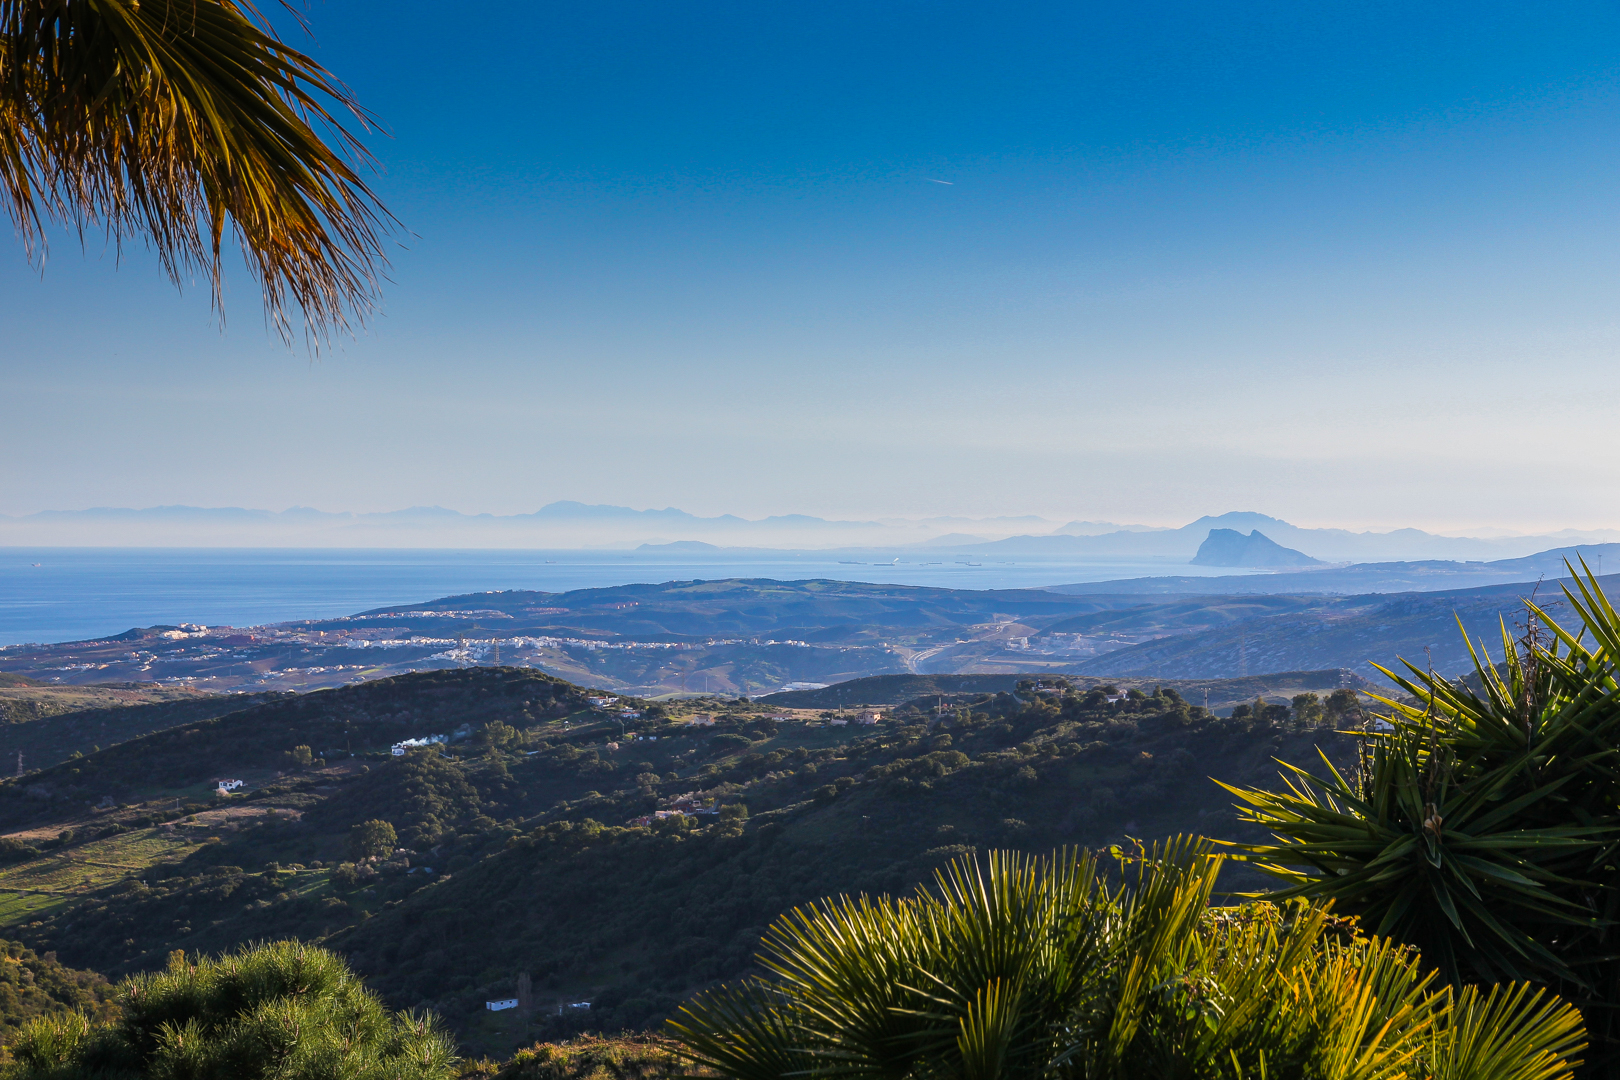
1354	265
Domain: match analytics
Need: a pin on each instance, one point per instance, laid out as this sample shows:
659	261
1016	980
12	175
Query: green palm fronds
1484	828
1023	967
1505	1033
179	121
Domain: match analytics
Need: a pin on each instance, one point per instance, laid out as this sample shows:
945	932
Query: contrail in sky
948	183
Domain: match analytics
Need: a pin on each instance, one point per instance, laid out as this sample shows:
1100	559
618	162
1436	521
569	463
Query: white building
400	748
228	786
503	1003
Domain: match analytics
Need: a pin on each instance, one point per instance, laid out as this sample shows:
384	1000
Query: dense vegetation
516	849
1221	693
627	1056
634	917
335	724
32	986
1020	967
1482	827
284	1010
51	726
24	700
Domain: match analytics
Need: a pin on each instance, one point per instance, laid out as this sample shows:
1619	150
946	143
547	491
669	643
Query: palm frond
1486	827
182	121
1024	968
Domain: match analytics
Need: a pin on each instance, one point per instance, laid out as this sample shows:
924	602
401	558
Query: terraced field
51	882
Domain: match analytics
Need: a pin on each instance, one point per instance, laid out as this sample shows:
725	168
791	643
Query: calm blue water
76	593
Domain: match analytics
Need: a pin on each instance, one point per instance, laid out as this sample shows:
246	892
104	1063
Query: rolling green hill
364	719
55	737
634	918
1223	694
518	847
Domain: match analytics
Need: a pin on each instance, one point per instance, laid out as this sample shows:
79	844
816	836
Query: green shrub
590	1057
13	850
283	1010
372	839
727	743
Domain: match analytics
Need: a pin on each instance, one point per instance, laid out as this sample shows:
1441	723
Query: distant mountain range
1327	545
576	525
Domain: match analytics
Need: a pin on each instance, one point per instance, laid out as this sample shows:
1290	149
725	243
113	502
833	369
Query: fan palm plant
1483	827
180	121
1027	967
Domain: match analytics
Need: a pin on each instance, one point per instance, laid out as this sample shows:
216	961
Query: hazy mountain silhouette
1228	547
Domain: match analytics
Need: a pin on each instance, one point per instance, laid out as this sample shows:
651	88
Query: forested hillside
636	917
32	985
51	734
529	842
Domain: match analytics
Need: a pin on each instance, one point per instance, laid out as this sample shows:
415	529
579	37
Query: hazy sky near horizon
1350	264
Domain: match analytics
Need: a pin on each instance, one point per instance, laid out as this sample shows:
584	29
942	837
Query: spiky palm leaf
1486	826
180	121
1505	1033
1022	968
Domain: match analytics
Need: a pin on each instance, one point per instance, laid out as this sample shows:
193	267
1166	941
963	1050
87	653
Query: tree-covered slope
525	845
635	917
334	723
53	737
32	985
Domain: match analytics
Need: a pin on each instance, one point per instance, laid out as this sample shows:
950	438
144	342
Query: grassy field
56	879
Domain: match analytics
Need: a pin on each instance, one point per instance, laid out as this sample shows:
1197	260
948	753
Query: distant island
1228	547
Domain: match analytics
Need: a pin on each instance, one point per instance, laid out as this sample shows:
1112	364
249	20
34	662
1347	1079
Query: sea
72	594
